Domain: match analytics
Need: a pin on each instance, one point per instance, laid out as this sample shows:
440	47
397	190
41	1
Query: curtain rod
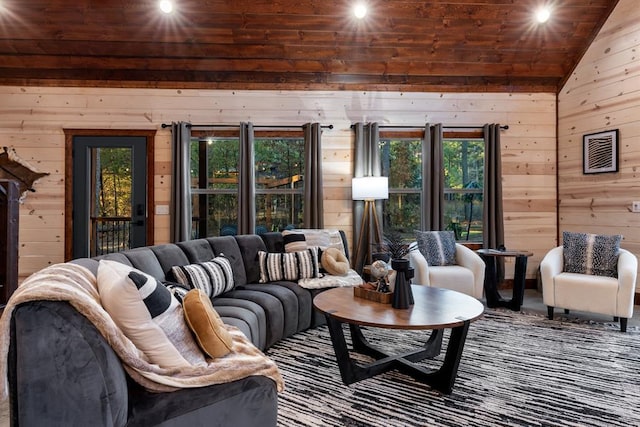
166	125
504	127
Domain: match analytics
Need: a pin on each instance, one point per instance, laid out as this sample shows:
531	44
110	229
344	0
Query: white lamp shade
370	188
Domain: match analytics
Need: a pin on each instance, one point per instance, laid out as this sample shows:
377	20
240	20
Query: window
402	163
463	187
402	160
279	182
214	185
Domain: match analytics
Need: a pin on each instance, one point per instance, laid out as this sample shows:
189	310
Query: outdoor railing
110	234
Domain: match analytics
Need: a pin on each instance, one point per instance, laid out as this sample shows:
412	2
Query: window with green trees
279	184
214	186
402	162
463	187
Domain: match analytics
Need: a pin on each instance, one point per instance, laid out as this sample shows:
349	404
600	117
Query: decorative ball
379	269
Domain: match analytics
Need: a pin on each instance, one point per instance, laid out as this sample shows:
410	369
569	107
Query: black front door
109	194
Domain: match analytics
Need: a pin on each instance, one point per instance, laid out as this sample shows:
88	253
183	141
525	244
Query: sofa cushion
437	247
213	277
145	260
148	314
250	245
228	246
198	250
591	253
206	325
167	255
288	266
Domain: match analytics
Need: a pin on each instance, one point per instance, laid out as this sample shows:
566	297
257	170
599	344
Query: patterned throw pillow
148	315
177	289
437	247
294	242
288	266
593	254
213	277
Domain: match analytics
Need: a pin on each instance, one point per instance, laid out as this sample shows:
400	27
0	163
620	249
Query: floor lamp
369	189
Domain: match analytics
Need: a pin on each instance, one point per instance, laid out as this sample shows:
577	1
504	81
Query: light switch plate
164	209
635	206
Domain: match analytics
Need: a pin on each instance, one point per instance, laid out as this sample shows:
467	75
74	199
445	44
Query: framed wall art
600	152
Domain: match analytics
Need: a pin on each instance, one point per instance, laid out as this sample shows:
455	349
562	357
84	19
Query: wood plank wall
32	121
603	93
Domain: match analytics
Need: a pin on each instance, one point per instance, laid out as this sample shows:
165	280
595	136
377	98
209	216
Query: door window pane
111	205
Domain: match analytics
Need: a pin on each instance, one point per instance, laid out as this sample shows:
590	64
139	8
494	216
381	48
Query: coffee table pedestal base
441	379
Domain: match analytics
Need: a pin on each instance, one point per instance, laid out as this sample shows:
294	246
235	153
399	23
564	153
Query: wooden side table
494	299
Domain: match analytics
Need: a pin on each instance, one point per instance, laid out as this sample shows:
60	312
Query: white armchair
584	292
467	276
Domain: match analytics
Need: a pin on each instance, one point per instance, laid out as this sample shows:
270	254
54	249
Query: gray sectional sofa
62	372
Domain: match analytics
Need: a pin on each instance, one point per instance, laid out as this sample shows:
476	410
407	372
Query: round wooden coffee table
434	309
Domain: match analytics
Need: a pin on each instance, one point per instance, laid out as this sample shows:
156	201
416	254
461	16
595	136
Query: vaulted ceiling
454	45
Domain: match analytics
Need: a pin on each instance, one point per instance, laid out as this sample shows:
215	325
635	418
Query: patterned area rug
516	370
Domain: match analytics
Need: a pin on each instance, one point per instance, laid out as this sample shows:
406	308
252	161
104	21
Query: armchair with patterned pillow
590	273
442	263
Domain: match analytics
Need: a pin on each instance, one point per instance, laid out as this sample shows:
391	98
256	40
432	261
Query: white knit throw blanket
77	285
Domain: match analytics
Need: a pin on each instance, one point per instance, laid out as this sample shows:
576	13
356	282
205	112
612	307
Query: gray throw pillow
438	247
593	254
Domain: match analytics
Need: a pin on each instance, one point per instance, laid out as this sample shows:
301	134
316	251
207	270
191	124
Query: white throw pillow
148	314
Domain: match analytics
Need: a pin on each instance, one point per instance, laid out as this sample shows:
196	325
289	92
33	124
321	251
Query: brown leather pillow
211	335
335	262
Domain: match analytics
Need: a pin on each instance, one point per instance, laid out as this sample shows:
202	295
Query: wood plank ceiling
454	45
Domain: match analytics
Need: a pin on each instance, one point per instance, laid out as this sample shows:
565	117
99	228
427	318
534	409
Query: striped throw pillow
288	266
213	277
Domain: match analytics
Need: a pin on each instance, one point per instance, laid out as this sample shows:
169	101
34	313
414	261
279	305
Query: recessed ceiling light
166	6
543	14
360	10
